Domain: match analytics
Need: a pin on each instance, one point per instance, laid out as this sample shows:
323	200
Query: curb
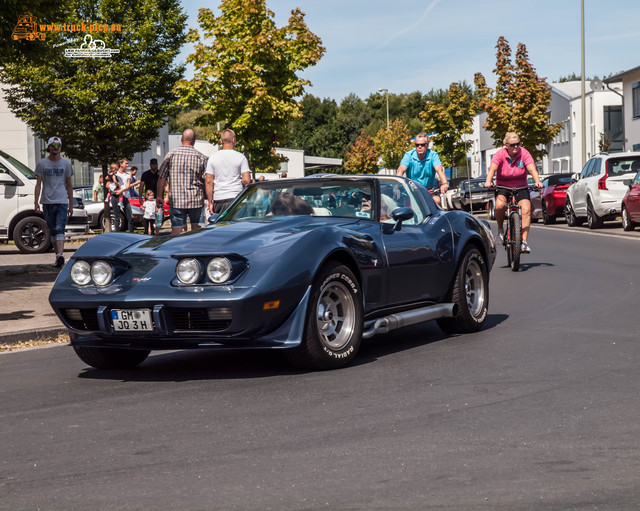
39	334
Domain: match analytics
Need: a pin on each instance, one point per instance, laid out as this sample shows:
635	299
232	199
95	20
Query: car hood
242	238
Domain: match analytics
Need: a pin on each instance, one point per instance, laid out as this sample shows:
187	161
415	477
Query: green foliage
245	74
519	102
186	118
103	108
450	119
361	156
391	143
44	11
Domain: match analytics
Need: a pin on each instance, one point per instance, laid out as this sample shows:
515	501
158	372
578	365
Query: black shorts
522	194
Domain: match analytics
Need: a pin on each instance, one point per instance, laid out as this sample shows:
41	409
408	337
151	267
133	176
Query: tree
361	156
245	74
519	102
103	108
44	11
391	143
450	119
315	132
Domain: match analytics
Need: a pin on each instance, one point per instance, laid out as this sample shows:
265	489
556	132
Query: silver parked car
95	210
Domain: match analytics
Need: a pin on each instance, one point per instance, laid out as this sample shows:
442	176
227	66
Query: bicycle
513	233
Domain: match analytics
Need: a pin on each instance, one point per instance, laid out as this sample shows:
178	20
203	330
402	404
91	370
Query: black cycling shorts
520	194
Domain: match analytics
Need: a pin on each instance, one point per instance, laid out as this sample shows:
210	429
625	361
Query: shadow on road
528	266
192	365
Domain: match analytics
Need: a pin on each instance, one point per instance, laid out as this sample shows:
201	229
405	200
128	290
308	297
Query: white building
603	117
631	106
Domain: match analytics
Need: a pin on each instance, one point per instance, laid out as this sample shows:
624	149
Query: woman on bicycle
511	164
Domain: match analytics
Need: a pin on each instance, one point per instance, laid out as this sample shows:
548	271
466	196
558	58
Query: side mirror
401	215
6	179
213	218
575	176
628	182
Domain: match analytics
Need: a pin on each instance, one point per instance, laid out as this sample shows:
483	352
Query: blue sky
409	45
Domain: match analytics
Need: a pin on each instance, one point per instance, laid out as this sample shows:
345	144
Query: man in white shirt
226	175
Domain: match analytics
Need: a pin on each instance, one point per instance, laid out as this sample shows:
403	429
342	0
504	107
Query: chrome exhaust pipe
412	317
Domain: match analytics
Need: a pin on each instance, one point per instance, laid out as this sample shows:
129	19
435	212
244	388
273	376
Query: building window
635	94
613	126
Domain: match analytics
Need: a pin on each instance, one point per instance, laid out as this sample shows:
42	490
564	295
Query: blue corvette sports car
310	266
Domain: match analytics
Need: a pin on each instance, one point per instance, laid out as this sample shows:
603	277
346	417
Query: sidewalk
25	283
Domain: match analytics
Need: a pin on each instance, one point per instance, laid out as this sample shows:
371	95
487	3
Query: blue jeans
116	212
56	217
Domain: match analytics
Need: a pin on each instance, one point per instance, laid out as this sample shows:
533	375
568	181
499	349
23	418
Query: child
150	213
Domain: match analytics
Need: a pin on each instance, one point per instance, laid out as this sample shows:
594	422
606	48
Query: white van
18	220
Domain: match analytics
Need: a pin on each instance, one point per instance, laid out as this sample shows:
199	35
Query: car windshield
287	198
475	185
26	171
620	166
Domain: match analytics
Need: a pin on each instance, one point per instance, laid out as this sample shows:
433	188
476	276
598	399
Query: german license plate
137	320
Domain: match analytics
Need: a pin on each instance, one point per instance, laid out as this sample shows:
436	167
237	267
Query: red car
554	196
134	200
631	204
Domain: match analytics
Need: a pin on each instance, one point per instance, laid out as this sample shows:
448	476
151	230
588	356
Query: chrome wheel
474	288
335	315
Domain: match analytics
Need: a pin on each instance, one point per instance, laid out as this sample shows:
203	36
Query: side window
636	180
396	194
586	170
595	167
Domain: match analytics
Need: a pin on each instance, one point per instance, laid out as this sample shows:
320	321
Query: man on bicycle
422	164
511	164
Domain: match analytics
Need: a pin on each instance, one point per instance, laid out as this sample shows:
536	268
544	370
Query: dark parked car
631	204
474	195
554	196
283	268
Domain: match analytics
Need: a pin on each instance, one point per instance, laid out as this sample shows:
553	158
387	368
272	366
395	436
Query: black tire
570	216
334	323
470	294
546	217
32	236
111	358
627	224
593	220
515	234
100	222
492	210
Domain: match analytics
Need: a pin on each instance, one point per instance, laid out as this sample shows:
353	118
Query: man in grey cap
54	180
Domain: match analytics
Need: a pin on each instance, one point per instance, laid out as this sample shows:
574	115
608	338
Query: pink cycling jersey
512	173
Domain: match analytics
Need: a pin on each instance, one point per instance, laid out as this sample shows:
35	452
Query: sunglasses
517	144
56	145
421	145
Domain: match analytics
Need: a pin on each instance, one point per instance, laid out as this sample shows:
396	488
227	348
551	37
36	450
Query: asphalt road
537	411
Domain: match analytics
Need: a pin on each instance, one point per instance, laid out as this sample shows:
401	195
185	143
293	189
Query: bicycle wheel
507	242
515	228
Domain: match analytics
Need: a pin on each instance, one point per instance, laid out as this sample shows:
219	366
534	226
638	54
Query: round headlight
81	273
188	271
219	270
101	273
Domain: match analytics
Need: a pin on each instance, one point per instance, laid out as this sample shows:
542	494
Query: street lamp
386	93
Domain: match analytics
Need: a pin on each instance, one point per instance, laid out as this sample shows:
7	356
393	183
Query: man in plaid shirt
184	168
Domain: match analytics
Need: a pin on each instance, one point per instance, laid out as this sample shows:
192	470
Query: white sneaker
501	235
525	248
